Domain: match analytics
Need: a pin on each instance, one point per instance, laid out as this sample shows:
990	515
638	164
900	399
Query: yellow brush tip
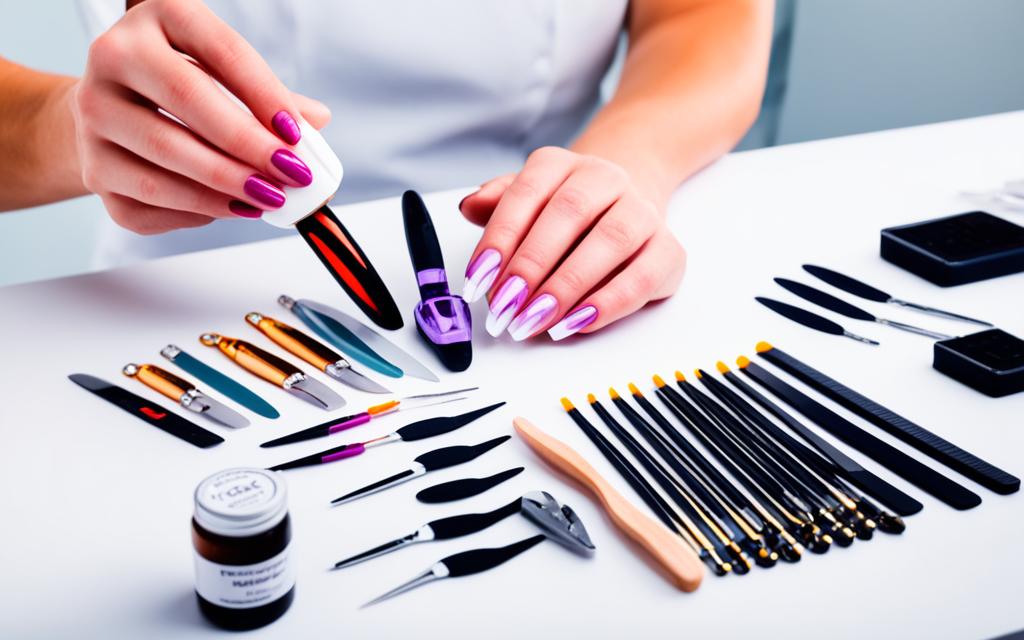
591	398
613	393
697	373
763	346
658	382
634	390
567	405
680	377
381	408
721	367
742	361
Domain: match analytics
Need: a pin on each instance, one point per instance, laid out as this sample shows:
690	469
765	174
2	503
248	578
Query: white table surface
96	506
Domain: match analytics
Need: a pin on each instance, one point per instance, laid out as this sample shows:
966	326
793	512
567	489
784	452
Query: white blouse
424	95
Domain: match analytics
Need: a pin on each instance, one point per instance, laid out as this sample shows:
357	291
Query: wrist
55	142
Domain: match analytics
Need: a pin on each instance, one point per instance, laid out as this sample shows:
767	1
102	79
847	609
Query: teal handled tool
220	382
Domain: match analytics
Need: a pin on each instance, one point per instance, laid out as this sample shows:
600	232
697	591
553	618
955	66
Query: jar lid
241	502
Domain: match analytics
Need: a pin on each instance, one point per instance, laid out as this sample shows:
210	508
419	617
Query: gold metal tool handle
158	379
682	565
253	359
294	341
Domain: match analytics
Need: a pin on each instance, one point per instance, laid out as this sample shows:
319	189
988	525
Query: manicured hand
570	245
153	173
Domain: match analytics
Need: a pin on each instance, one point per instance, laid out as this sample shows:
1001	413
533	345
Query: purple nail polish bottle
442	319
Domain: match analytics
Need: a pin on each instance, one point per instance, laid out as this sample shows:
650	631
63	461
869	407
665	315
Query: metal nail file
274	370
832	303
356	339
184	393
920	438
866	291
377	411
423	464
464	487
421	430
811	320
219	382
315	353
908	468
151	413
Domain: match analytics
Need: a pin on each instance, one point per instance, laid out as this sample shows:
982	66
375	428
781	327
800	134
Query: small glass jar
241	534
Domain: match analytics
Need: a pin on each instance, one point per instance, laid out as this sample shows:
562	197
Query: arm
578	238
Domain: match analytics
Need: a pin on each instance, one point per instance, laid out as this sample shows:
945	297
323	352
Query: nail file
465	487
151	413
184	393
811	320
220	382
920	438
885	454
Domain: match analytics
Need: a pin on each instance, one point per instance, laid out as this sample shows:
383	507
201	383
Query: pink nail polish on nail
505	304
243	209
533	317
481	274
286	127
290	165
573	322
260	189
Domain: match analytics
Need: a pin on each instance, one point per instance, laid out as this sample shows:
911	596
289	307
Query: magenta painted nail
573	322
539	312
243	209
480	275
258	188
290	165
505	304
286	127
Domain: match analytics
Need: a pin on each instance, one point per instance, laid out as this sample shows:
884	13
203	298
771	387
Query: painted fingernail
534	316
286	127
258	188
480	275
505	304
290	165
243	209
573	323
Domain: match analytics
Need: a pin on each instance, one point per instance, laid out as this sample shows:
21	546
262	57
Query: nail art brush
704	529
748	536
885	454
677	555
846	468
313	352
443	319
423	464
811	320
274	370
465	487
844	308
390	407
153	414
219	382
325	322
866	291
184	393
654	500
917	436
421	430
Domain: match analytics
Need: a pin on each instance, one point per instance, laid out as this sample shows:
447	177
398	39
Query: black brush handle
882	452
825	300
424	249
802	316
451	456
463	525
847	284
915	435
445	424
464	487
478	560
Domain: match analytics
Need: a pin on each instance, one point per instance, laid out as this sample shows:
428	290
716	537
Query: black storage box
990	361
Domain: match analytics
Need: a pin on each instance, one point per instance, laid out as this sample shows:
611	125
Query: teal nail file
217	380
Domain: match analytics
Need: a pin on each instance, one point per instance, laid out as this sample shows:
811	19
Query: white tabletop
95	535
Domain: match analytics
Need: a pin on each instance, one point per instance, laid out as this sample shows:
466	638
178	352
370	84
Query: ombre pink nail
506	304
481	274
573	322
533	317
286	127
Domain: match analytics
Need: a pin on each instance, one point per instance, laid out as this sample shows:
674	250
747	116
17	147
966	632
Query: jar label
244	586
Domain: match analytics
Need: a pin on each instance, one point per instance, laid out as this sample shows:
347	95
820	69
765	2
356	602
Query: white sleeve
99	15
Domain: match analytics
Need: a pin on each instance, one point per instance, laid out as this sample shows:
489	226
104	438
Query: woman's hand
154	174
570	245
